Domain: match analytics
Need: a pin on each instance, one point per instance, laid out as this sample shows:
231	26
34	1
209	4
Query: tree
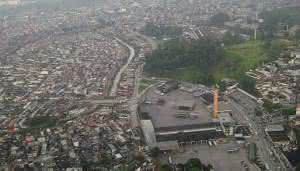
258	112
154	152
219	19
210	167
297	35
270	107
166	167
106	161
222	86
275	49
289	111
298	167
180	167
139	157
297	133
248	84
193	61
162	30
275	18
195	164
231	39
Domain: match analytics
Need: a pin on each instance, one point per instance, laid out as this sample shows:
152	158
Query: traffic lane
263	146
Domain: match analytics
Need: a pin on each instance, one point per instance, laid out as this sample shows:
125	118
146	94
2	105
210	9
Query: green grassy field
237	60
250	53
241	58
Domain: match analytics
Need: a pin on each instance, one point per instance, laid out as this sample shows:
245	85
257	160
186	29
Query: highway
117	79
133	102
259	138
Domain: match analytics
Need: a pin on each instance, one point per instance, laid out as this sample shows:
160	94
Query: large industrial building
180	115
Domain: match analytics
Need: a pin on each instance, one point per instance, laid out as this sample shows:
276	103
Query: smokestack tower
216	103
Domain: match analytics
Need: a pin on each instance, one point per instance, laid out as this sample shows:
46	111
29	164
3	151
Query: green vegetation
154	152
145	83
106	162
250	53
161	31
219	19
289	111
240	58
142	87
2	133
270	107
275	47
165	167
232	39
39	122
148	81
277	19
205	61
297	35
190	61
248	84
193	164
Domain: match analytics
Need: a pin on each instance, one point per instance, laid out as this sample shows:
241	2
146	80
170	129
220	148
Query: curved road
117	79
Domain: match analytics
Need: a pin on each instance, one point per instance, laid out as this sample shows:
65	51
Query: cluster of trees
297	35
271	107
192	164
160	31
41	122
289	111
206	61
278	19
219	19
248	84
293	156
232	39
274	48
201	56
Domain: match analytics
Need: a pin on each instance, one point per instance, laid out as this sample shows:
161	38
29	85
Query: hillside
240	58
205	61
193	61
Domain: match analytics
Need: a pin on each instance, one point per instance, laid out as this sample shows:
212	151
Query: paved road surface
259	137
117	79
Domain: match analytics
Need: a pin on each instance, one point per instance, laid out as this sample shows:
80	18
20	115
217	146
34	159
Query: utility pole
255	27
255	33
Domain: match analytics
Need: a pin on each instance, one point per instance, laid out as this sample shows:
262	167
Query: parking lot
215	155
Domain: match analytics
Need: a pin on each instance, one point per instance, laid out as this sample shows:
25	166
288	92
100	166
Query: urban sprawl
71	98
